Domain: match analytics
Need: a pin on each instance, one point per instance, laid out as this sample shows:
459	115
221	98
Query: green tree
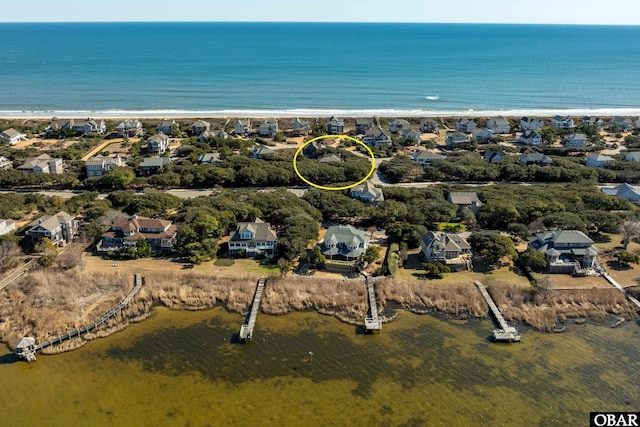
625	258
492	247
143	248
436	270
371	254
533	259
48	252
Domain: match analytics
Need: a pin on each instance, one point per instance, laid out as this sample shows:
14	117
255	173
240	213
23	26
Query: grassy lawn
224	262
451	226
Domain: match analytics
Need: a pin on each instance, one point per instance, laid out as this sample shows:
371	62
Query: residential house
161	234
426	157
252	238
494	156
158	144
100	165
530	123
129	128
499	125
217	133
621	124
208	159
312	150
60	228
335	126
447	248
260	151
5	163
576	140
376	137
78	126
457	140
199	127
268	128
429	126
42	164
367	192
633	156
411	135
465	125
624	191
167	127
398	125
483	135
598	160
565	250
242	127
562	122
300	127
7	226
330	158
151	165
12	136
465	199
530	138
344	243
535	158
363	125
596	122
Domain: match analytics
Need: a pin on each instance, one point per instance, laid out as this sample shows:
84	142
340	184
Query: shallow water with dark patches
182	368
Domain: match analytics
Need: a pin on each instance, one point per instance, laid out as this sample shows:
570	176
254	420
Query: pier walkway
621	289
246	330
506	333
373	322
17	273
27	348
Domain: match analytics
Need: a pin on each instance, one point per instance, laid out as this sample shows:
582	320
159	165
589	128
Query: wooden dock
27	348
373	322
621	289
246	330
506	332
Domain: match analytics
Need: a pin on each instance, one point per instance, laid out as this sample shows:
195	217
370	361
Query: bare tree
70	257
9	251
630	229
109	217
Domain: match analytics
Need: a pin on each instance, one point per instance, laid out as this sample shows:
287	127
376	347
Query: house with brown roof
60	228
252	238
160	233
42	164
12	136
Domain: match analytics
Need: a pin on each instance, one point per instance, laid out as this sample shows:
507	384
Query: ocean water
179	369
310	69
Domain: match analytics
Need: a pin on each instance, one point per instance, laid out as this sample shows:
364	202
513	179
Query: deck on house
246	330
506	332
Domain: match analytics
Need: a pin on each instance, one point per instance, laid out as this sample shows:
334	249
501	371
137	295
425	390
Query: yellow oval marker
346	187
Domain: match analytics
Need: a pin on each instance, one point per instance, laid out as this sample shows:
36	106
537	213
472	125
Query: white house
499	125
12	136
268	128
100	165
598	160
562	122
158	144
576	140
530	123
367	192
129	128
7	226
530	137
252	238
242	127
426	157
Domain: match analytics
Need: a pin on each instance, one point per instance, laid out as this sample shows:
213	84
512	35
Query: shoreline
344	300
315	113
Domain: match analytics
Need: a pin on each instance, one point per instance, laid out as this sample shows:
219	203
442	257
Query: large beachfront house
465	125
42	164
429	126
530	123
376	137
268	128
447	248
242	127
335	126
576	140
168	127
566	251
457	140
531	138
199	127
158	144
161	234
363	125
398	125
499	125
78	126
252	238
60	228
12	136
129	128
562	122
300	127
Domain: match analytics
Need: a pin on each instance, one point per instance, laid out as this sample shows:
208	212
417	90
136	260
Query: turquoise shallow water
204	68
179	369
